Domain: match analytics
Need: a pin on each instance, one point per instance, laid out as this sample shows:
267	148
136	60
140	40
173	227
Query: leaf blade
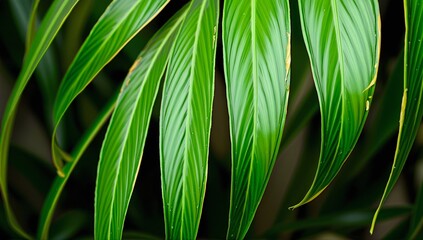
59	183
345	69
256	40
411	110
185	120
123	145
54	19
119	23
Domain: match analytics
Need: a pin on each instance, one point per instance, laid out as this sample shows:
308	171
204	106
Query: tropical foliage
216	99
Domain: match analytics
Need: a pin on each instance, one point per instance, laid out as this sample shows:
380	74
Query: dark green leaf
411	108
59	183
51	24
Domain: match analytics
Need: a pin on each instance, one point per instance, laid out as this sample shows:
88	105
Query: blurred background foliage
343	211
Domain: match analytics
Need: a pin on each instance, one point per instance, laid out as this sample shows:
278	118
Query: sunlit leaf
185	120
343	41
119	23
48	29
59	183
123	146
257	58
411	108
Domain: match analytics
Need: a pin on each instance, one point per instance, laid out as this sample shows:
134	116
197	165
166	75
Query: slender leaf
343	41
32	24
122	20
49	27
47	69
352	218
123	146
60	182
411	108
257	58
185	120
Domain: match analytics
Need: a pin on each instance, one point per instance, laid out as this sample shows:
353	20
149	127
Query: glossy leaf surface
53	21
118	24
123	146
185	120
411	108
343	41
257	58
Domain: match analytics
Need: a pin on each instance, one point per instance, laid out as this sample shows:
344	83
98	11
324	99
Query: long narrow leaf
411	108
49	27
122	20
257	58
343	41
185	120
60	182
123	146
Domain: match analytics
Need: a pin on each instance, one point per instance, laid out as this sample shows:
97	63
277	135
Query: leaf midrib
188	123
255	104
147	73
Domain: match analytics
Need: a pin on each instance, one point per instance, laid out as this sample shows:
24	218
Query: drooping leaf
257	58
48	29
122	20
123	146
351	218
185	120
59	183
411	108
343	41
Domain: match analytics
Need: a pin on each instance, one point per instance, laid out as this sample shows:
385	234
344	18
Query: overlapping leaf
56	15
59	183
118	24
123	146
257	58
343	41
411	109
185	120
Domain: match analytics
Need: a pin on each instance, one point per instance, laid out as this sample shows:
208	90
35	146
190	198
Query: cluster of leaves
343	42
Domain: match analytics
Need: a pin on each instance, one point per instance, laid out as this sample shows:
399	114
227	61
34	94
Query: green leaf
185	120
32	24
353	218
59	183
121	21
343	41
411	108
49	27
257	58
123	146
